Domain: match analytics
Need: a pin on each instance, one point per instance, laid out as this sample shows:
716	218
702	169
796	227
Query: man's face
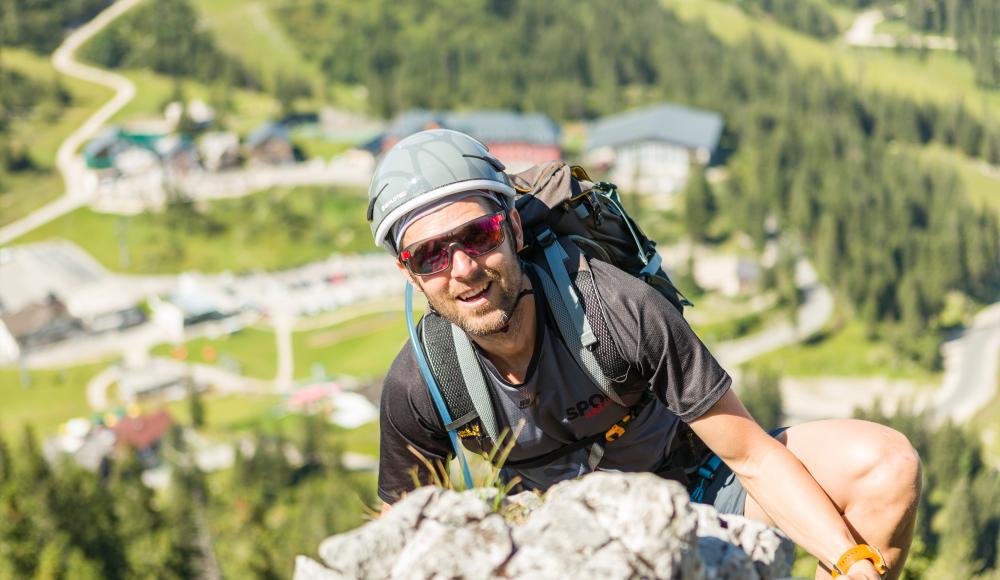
477	294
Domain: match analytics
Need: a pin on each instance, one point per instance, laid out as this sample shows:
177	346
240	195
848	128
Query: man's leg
871	473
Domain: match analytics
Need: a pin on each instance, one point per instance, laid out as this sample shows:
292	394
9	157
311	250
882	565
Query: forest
62	522
41	24
164	36
974	24
806	16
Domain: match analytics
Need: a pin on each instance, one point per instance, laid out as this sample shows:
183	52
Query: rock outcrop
604	525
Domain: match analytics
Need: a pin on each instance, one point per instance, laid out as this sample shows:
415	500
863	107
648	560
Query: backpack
567	219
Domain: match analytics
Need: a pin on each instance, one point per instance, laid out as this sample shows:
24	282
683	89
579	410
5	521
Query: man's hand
862	570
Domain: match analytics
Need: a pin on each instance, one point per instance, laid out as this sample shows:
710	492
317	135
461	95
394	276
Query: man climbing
845	490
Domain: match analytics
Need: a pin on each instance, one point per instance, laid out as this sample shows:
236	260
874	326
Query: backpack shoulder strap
475	382
461	379
555	258
569	315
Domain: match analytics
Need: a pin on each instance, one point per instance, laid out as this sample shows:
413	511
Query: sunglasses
477	237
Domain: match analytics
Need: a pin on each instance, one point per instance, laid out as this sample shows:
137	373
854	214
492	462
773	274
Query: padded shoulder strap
571	334
475	381
435	333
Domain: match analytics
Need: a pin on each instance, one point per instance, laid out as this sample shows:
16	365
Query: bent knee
890	466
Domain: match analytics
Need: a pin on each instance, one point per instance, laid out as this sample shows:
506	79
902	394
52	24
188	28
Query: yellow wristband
855	555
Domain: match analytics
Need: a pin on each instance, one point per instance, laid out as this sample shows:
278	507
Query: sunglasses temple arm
432	386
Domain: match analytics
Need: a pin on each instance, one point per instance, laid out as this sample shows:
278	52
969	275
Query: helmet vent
371	203
493	161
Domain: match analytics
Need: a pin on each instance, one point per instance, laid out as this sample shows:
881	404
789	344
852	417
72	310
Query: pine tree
183	556
51	561
5	462
761	395
197	406
959	529
79	567
699	204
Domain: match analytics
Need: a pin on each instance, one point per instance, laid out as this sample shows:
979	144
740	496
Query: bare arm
777	480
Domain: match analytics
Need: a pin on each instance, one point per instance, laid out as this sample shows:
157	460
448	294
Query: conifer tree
761	395
699	204
196	405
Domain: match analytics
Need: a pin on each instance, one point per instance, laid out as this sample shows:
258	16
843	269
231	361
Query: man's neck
511	351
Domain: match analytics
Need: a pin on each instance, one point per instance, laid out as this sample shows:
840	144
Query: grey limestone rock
607	525
648	516
309	569
765	548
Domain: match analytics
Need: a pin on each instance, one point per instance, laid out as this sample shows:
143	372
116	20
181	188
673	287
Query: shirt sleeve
654	336
407	418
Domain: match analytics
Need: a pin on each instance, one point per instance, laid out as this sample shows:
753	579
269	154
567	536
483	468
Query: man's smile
475	295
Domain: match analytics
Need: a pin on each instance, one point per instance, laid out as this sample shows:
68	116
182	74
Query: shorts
725	493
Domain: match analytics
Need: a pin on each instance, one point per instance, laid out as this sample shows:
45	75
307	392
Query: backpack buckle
545	237
614	432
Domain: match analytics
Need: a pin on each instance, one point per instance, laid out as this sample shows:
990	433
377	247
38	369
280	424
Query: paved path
811	317
69	164
971	365
971	361
355	311
148	191
222	380
814	398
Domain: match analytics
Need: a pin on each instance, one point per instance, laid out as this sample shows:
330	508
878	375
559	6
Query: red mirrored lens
475	238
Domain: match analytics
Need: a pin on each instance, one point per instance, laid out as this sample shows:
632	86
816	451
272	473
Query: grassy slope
363	347
254	349
243	246
941	77
982	188
53	397
987	421
843	352
154	91
228	413
250	30
43	132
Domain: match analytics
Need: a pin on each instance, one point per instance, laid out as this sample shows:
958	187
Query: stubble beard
494	316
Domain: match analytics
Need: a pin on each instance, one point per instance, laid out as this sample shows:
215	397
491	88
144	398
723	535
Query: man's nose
462	264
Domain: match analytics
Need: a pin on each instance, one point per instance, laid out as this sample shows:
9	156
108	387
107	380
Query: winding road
971	367
68	163
814	313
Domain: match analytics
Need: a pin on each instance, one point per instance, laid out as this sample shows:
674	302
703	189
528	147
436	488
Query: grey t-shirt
558	402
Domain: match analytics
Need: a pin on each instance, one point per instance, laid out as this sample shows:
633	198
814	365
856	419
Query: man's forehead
446	218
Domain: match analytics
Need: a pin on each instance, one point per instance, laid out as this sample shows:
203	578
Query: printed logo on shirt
528	401
588	407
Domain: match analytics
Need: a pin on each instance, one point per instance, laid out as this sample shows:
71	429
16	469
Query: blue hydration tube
433	387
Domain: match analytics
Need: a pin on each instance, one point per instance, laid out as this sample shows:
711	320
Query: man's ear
409	276
515	226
